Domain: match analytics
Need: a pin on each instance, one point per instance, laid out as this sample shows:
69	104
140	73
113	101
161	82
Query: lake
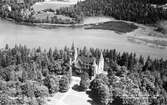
32	36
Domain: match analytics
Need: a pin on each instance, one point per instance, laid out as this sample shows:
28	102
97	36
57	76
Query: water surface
31	36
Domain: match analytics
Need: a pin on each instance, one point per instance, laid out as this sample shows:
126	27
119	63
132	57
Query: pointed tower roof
76	51
101	55
70	61
94	62
72	46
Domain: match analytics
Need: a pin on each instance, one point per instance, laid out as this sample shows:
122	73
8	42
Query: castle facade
91	65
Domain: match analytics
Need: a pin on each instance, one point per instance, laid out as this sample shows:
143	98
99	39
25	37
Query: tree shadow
89	94
77	88
92	102
117	101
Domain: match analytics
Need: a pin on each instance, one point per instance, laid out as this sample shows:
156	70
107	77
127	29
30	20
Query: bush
103	77
12	92
52	83
64	84
33	101
85	81
40	101
40	90
100	92
68	73
3	85
129	92
4	99
27	89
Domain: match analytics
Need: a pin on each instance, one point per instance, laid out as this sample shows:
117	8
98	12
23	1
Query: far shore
45	25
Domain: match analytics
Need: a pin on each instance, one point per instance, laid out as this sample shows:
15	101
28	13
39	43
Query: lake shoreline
53	25
34	36
113	25
43	25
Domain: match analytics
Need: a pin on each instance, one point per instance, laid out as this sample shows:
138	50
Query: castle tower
70	61
95	67
72	46
75	55
101	64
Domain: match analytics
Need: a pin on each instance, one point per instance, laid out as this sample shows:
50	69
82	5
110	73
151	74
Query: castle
88	64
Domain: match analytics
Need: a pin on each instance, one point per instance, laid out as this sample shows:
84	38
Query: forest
27	76
19	10
22	11
154	1
140	11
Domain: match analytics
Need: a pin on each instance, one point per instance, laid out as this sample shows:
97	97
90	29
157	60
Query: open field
53	4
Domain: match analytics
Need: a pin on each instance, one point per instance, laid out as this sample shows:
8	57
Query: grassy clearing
50	5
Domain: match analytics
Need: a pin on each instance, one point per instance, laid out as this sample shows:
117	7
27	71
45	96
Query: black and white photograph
83	52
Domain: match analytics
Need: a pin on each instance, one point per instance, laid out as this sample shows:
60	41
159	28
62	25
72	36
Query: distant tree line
19	10
24	12
159	2
140	11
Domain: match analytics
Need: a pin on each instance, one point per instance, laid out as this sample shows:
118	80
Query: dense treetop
140	11
35	73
